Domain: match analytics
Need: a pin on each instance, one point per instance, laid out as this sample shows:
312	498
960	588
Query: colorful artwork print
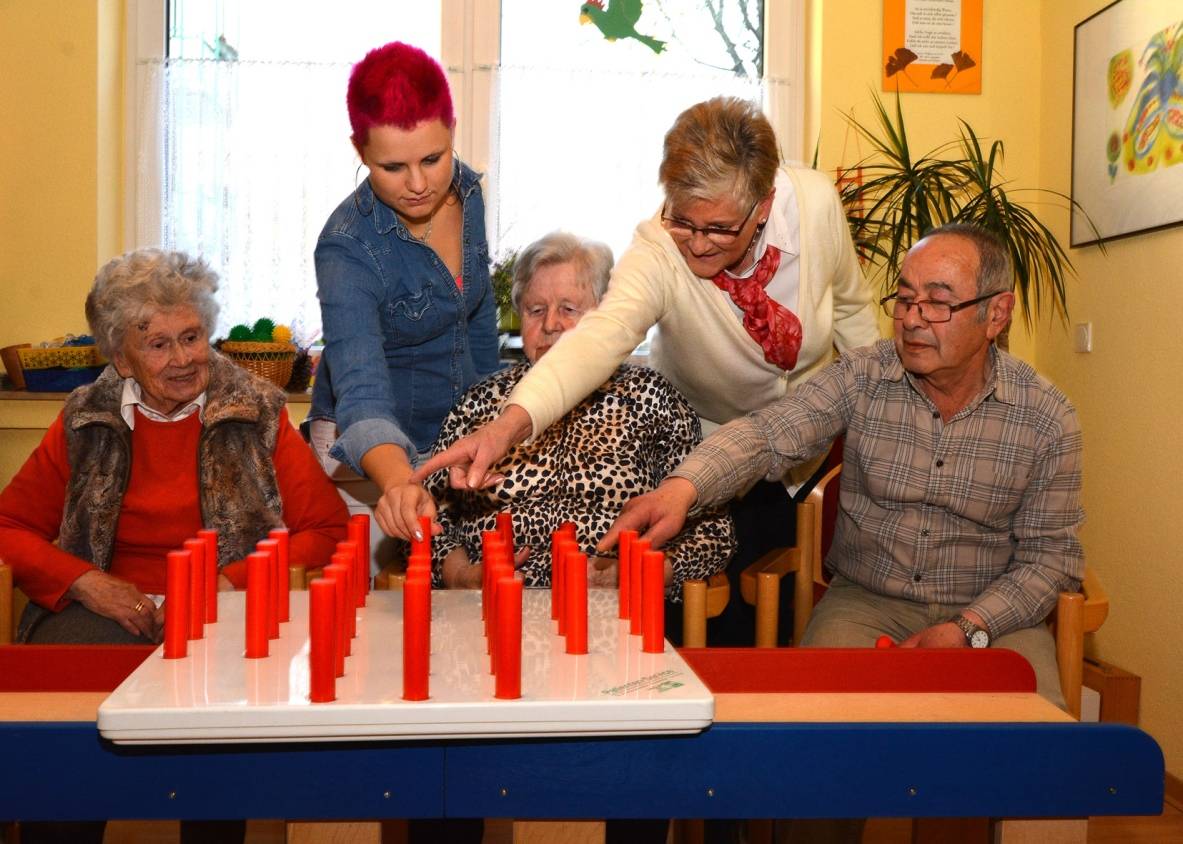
1154	130
1121	74
1127	120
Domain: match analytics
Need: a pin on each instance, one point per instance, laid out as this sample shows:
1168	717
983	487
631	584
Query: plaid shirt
980	511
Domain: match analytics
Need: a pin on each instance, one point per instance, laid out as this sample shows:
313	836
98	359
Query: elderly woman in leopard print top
617	443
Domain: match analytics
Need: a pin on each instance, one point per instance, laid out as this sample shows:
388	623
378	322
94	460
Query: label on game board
661	682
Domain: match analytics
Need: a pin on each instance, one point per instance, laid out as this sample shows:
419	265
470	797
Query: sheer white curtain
580	118
580	152
244	177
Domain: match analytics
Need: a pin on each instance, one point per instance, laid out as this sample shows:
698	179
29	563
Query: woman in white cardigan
748	272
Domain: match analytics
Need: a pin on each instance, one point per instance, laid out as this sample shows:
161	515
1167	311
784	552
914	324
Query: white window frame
471	48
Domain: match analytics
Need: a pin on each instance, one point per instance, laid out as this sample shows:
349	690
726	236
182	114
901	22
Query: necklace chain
427	231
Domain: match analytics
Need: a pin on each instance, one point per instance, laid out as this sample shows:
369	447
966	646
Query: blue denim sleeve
483	336
351	294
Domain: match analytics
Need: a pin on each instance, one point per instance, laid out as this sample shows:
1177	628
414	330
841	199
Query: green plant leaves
900	199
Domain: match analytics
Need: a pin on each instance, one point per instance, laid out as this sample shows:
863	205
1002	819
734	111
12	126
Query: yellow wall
59	212
1129	393
60	72
845	61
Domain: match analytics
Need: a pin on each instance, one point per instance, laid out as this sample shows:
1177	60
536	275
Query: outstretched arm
658	516
469	458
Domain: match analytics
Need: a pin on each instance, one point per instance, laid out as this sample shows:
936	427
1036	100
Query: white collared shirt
133	397
784	232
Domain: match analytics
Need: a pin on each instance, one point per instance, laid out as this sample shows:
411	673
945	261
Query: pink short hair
397	85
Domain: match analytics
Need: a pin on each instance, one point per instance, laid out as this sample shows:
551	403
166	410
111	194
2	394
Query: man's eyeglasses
930	311
715	234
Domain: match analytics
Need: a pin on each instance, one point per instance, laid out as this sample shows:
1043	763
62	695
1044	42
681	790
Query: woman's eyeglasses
715	234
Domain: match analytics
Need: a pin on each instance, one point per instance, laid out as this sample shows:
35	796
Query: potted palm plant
901	197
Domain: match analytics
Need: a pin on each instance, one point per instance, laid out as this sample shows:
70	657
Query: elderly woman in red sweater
171	438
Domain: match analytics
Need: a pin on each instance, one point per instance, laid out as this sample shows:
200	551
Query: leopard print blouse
621	441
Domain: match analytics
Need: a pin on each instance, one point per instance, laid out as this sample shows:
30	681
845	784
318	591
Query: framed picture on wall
932	46
1127	120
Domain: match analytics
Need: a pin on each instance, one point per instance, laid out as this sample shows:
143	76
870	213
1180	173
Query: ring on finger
139	607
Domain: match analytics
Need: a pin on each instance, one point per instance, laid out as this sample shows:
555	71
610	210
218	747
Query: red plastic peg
339	572
566	548
176	605
636	555
211	573
575	587
508	684
624	548
275	582
196	549
346	555
505	529
884	642
283	537
321	626
258	573
416	637
653	602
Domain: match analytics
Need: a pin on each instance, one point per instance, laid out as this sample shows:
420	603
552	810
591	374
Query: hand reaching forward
400	507
658	515
469	458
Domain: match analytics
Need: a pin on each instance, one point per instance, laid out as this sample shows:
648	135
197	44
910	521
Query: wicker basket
272	361
67	357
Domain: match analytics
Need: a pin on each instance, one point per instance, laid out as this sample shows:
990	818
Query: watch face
980	639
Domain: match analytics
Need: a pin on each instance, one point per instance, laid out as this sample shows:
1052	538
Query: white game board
215	695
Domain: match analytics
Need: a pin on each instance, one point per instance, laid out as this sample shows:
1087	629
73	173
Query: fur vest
238	491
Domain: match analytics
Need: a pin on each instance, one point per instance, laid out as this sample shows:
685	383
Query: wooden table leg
569	832
1049	831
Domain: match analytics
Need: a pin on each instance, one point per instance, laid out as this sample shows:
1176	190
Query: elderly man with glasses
960	497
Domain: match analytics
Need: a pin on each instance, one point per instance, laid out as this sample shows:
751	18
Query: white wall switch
1083	332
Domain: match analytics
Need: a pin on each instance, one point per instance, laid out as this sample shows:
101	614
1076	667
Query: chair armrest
1096	601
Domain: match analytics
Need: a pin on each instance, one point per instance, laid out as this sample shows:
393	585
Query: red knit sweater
160	509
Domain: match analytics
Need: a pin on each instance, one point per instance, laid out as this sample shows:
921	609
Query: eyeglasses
930	311
716	235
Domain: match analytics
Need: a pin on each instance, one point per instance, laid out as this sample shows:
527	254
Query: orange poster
932	46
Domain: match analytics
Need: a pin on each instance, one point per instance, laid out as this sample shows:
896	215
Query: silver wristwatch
975	637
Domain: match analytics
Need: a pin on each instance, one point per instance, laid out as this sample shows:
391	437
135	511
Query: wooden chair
1076	614
760	582
702	599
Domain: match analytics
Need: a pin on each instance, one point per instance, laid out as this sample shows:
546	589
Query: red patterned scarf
774	327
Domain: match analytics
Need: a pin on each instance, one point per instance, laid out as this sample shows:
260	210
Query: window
242	140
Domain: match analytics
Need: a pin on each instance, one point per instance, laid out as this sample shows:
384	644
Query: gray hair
994	265
592	261
724	146
130	289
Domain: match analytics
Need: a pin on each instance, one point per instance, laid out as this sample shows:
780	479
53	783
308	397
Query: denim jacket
402	342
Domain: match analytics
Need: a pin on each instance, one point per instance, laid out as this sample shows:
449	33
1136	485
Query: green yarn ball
261	333
240	334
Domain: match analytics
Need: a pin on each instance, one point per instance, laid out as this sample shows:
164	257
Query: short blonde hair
591	259
722	146
132	288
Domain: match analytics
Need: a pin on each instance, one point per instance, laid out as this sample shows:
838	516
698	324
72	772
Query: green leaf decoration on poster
618	20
